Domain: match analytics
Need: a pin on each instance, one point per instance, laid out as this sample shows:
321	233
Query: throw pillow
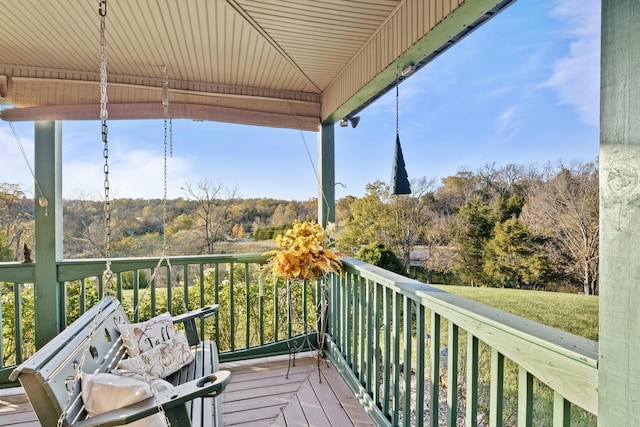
162	360
156	383
143	336
104	392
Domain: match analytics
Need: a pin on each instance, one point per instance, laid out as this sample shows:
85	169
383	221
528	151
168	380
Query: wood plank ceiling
282	63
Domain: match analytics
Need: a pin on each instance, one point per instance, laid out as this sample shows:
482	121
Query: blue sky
522	89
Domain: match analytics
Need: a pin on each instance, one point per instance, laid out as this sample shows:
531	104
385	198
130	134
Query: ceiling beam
135	111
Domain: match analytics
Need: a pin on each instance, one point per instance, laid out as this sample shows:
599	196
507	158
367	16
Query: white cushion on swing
105	392
162	360
143	336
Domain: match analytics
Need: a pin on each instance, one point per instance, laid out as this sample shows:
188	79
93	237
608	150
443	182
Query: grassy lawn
573	313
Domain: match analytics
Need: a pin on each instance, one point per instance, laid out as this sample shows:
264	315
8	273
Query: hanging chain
168	142
164	196
165	106
165	91
397	104
104	115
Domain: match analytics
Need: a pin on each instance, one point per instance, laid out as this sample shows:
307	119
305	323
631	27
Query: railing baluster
452	376
232	307
276	312
407	367
216	291
63	303
355	327
395	341
363	344
421	361
434	404
370	336
82	296
386	382
247	303
561	411
377	348
153	296
17	310
100	288
185	286
136	295
335	309
169	287
471	404
525	398
345	318
497	388
261	307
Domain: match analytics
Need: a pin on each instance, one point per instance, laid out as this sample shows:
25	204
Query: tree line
513	226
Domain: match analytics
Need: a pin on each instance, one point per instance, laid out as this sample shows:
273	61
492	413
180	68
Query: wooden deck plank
328	401
347	400
292	415
259	395
15	409
312	406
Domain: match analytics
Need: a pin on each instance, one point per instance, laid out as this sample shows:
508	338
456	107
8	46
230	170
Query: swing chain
104	114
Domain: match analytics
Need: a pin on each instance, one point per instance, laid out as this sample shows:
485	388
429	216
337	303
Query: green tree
473	227
6	254
370	219
378	254
510	257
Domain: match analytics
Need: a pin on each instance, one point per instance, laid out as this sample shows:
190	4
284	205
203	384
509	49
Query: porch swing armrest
203	312
188	320
172	401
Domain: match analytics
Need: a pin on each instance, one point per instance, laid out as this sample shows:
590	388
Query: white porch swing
100	372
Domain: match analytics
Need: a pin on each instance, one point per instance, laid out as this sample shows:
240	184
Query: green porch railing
399	343
416	355
252	320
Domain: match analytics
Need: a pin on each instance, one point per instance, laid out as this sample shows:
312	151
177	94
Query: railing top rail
18	272
73	269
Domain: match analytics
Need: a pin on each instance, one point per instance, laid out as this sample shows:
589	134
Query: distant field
573	313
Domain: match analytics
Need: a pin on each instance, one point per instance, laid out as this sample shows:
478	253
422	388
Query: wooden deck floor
259	395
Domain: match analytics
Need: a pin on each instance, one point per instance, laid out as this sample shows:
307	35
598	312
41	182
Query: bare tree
413	214
563	207
212	213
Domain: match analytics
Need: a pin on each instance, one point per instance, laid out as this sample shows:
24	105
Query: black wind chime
400	179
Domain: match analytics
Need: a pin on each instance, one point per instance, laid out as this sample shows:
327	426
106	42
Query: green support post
619	338
327	178
48	233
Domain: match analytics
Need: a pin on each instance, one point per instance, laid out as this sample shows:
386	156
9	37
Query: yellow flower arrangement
304	253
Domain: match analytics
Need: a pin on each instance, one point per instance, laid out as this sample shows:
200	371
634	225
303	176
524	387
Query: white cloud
132	174
508	124
576	77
